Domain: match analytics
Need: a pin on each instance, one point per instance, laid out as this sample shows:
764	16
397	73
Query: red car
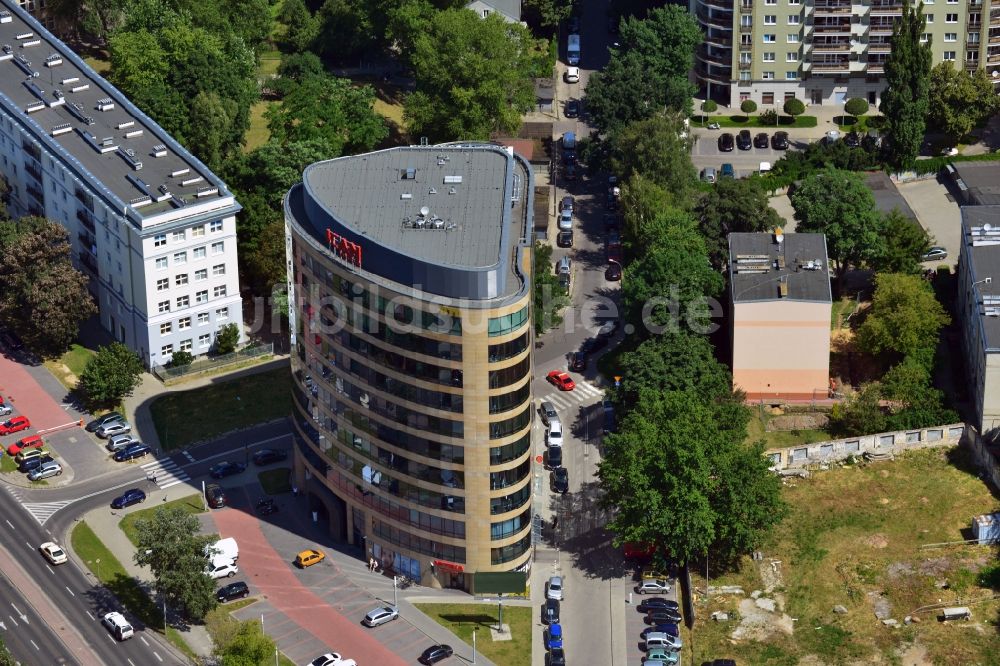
16	424
561	380
33	441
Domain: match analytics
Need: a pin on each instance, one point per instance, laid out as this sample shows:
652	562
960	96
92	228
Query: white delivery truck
223	551
573	50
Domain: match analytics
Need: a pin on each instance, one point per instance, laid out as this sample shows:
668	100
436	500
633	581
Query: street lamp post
473	646
395	600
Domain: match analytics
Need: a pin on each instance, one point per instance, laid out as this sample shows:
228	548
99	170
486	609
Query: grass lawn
777	439
68	367
741	121
190	504
276	481
257	133
7	464
100	66
854	533
461	619
184	417
841	311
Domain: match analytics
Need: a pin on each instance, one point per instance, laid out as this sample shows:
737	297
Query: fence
985	460
212	363
887	442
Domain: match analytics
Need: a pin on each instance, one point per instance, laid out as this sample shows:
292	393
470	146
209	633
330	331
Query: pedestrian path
583	393
166	473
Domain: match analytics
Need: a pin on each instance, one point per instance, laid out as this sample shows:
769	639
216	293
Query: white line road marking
3	626
144	641
130	661
70	591
13	620
89	615
36	645
51	570
8	522
157	655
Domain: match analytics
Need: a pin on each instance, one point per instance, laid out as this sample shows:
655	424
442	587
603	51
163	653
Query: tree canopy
959	100
110	375
905	99
905	242
733	206
655	148
676	360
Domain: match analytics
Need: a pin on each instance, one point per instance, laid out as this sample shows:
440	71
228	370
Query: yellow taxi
307	558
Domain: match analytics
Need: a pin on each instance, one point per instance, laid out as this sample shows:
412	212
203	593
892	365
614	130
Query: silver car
6	410
653	586
554	588
381	615
45	470
113	428
119	442
548	412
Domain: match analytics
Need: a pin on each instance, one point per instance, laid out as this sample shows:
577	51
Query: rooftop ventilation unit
179	172
77	111
61	128
813	265
406	196
426	221
191	181
139	202
452	180
452	190
80	88
105	104
134	133
128	155
164	193
159	150
105	145
33	87
35	106
24	64
206	191
124	124
433	190
31	42
67	81
53	60
407	174
24	35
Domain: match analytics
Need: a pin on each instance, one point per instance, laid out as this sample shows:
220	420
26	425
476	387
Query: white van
118	626
554	436
223	551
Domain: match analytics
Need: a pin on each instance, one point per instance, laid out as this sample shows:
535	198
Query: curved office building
409	279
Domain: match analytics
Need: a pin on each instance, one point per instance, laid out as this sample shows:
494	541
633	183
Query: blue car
554	637
128	498
667	628
132	451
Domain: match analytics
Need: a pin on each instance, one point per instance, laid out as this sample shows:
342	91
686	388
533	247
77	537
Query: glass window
219	269
205	340
219	291
949	55
177	236
183	322
791	76
951	18
166	350
792	56
929	18
794	19
186	345
163	284
507	427
198	232
183	301
769	39
159	240
164	306
508	323
200	252
201	274
181	278
202	318
161	263
793	38
951	36
767	76
180	257
222	313
166	328
216	226
769	56
201	296
218	248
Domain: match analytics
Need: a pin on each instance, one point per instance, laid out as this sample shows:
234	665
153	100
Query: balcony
745	65
723	20
820	47
88	262
38	195
720	4
880	48
832	8
35	172
746	7
745	47
880	29
830	67
87	219
993	58
746	29
706	73
717	59
718	40
884	8
86	239
839	28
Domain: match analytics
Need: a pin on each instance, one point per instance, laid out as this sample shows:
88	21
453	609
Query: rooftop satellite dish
425	211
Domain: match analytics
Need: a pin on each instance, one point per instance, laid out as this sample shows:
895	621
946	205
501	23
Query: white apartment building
153	228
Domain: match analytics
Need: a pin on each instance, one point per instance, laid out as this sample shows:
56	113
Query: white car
332	659
220	570
572	75
381	615
113	428
566	220
53	553
554	435
119	442
554	588
117	625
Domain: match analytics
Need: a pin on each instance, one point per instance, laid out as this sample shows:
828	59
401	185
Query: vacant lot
853	538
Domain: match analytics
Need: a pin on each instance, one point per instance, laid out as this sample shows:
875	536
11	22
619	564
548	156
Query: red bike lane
29	399
274	578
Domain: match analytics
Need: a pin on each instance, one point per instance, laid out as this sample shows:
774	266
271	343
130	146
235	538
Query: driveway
937	213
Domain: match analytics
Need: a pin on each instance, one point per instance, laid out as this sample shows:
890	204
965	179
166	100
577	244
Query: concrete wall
886	442
781	349
983	458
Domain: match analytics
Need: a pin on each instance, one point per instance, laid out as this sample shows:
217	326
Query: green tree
679	476
915	403
794	107
960	101
248	646
748	106
709	106
345	29
906	96
211	119
905	242
181	358
904	321
839	204
856	107
654	147
110	375
546	13
549	296
169	544
473	77
44	299
227	338
677	360
329	109
301	27
733	206
859	415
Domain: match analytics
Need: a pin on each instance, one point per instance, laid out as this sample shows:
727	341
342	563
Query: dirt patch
899	570
915	655
788	422
935	566
881	605
877	540
759	624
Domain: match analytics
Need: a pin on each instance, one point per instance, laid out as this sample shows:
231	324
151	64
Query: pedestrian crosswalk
584	393
166	473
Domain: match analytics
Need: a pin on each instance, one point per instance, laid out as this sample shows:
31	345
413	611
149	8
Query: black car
609	416
743	140
571	171
560	480
565	238
612	223
132	451
237	590
578	362
266	506
726	142
595	345
550	611
567	203
572	109
663	616
215	495
573	25
853	139
96	424
33	463
555	657
268	456
553	457
657	603
225	468
779	141
613	273
761	140
435	653
128	498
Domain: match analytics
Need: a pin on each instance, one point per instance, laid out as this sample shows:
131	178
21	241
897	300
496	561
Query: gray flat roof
759	267
462	190
983	245
887	197
59	99
982	180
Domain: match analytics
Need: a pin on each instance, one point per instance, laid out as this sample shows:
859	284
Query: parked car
380	615
572	75
31	464
113	428
117	625
553	457
102	420
832	136
566	220
561	380
853	139
215	496
219	570
269	456
744	140
436	653
554	588
658	639
567	203
225	468
565	238
653	586
779	140
613	273
16	424
550	611
936	253
560	480
132	451
570	172
761	140
726	142
53	553
727	171
46	469
661	657
266	506
663	616
572	109
332	659
237	590
555	657
309	557
119	442
554	636
656	603
29	442
128	498
548	412
5	409
708	175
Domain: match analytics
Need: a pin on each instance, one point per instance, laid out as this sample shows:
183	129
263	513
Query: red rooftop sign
445	565
347	250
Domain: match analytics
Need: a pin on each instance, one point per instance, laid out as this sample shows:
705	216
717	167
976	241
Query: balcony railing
34	171
880	28
820	47
831	66
746	7
36	193
826	28
832	10
887	7
746	28
723	19
87	219
90	263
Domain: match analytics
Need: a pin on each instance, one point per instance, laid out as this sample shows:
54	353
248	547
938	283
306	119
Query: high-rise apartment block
152	227
828	51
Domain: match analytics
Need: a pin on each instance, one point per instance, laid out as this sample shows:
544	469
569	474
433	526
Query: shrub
181	358
709	106
748	106
856	106
227	339
769	117
794	107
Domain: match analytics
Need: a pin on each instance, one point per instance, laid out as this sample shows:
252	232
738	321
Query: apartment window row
186	345
404	314
510	477
508	427
180	258
507	401
511	552
506	350
405	441
510	527
398	413
508	323
510	502
159	240
449	351
511	374
451	402
512	451
393	361
181	279
403	539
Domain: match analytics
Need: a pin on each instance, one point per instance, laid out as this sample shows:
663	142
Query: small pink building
781	304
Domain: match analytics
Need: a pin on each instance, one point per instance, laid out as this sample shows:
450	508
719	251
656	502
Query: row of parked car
661	638
122	444
745	141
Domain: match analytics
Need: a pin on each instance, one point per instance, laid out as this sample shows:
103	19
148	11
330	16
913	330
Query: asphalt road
26	635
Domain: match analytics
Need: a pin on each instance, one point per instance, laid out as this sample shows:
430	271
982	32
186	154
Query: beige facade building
781	306
409	276
828	51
